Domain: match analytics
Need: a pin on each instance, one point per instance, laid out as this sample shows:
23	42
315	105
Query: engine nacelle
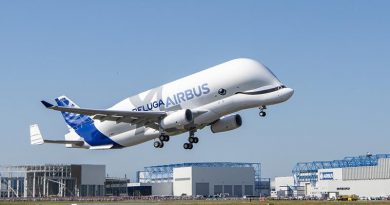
226	123
177	119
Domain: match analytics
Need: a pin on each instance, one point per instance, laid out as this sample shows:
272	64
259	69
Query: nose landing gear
262	113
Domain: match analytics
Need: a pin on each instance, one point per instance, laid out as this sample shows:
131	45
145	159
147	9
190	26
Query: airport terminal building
367	176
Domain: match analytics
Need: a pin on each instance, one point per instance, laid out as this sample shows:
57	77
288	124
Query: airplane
207	98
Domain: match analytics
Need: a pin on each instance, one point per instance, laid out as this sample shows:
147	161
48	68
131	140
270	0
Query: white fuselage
247	83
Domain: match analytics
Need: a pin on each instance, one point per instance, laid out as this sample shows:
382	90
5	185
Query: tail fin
72	119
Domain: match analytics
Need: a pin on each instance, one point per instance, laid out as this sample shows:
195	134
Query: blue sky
335	54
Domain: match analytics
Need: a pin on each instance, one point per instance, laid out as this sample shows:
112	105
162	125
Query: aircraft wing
148	118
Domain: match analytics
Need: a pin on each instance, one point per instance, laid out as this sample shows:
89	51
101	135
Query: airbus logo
177	98
326	175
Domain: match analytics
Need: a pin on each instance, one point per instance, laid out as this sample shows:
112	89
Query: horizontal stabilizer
101	147
46	104
78	143
37	139
35	135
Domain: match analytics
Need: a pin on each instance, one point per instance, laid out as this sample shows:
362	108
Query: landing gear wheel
157	144
166	138
187	146
163	138
192	139
262	113
161	145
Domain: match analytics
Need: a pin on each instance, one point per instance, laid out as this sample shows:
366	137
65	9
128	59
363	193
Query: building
366	176
265	187
52	180
139	189
210	178
283	187
116	186
150	188
205	181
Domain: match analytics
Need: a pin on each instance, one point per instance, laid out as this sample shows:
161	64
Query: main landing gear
160	142
165	138
191	140
262	113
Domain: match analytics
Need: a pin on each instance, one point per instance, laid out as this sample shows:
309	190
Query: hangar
205	178
367	176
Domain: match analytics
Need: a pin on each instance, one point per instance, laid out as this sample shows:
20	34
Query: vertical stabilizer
72	119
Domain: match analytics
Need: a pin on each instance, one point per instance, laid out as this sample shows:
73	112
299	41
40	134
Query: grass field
198	202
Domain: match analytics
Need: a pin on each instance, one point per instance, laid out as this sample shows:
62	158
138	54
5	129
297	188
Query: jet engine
177	119
226	123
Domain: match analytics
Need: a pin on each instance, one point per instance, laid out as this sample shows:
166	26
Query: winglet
46	104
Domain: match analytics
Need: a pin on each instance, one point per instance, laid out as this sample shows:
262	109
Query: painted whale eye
222	91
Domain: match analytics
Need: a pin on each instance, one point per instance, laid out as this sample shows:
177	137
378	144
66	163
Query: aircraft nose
289	92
